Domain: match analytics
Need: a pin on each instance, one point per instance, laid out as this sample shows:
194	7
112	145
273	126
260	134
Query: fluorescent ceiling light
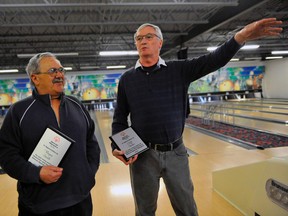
30	55
89	67
246	47
253	58
9	71
249	47
66	54
117	53
279	52
116	67
274	57
234	59
211	48
68	68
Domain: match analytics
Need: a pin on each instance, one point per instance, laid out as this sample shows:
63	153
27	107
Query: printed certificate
129	142
51	148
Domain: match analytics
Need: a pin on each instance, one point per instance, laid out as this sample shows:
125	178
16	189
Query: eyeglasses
53	71
148	36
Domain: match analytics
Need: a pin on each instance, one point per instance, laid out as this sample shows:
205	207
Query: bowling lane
248	106
251	117
268	126
259	105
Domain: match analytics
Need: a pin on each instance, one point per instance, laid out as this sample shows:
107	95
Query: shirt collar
45	97
159	63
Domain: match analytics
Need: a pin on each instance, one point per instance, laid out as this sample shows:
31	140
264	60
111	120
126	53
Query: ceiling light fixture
116	67
68	68
246	47
279	52
117	53
253	58
89	67
273	57
234	59
30	55
211	48
9	71
249	47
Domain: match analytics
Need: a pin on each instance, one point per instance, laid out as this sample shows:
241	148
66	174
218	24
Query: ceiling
87	27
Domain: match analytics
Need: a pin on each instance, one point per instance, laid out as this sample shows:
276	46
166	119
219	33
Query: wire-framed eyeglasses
53	71
148	37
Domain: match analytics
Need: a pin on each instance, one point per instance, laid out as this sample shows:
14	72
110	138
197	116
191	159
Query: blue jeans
173	167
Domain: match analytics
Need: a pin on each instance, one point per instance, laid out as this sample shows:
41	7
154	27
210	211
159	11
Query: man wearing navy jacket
50	190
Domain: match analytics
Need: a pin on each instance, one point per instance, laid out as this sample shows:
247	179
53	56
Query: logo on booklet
56	139
123	135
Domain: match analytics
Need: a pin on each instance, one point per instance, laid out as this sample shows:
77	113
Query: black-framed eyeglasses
53	71
148	36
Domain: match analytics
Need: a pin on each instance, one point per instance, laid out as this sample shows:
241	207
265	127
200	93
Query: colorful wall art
104	86
230	79
84	87
90	87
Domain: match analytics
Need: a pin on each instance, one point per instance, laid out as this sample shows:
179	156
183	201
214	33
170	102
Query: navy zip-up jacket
23	126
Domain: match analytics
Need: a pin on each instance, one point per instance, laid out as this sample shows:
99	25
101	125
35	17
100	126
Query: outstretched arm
261	28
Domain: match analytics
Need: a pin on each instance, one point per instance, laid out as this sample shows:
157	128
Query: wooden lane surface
8	196
104	119
250	123
253	111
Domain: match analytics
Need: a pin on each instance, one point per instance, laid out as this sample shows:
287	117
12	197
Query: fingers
268	26
269	22
273	31
119	154
259	29
131	160
50	174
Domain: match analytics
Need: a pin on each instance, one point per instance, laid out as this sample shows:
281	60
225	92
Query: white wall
275	81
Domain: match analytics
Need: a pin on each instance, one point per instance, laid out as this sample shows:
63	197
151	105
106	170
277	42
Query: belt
165	147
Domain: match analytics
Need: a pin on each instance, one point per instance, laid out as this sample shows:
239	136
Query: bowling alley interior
236	130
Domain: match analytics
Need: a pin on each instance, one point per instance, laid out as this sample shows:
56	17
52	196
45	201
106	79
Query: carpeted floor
256	138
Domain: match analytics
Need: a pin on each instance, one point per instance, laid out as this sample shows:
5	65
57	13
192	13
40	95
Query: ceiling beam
223	16
102	23
121	4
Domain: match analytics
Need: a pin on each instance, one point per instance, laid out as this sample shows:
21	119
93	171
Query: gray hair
156	28
34	63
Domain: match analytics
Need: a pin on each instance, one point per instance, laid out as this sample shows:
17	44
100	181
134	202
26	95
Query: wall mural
229	79
84	87
104	86
90	87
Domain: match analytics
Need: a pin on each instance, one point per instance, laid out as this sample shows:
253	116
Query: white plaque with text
129	142
51	148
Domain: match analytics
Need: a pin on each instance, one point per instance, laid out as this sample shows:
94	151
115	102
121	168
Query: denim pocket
181	150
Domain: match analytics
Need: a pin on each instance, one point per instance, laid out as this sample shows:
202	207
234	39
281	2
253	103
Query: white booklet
51	148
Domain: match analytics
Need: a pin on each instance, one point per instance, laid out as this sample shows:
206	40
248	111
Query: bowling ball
91	93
